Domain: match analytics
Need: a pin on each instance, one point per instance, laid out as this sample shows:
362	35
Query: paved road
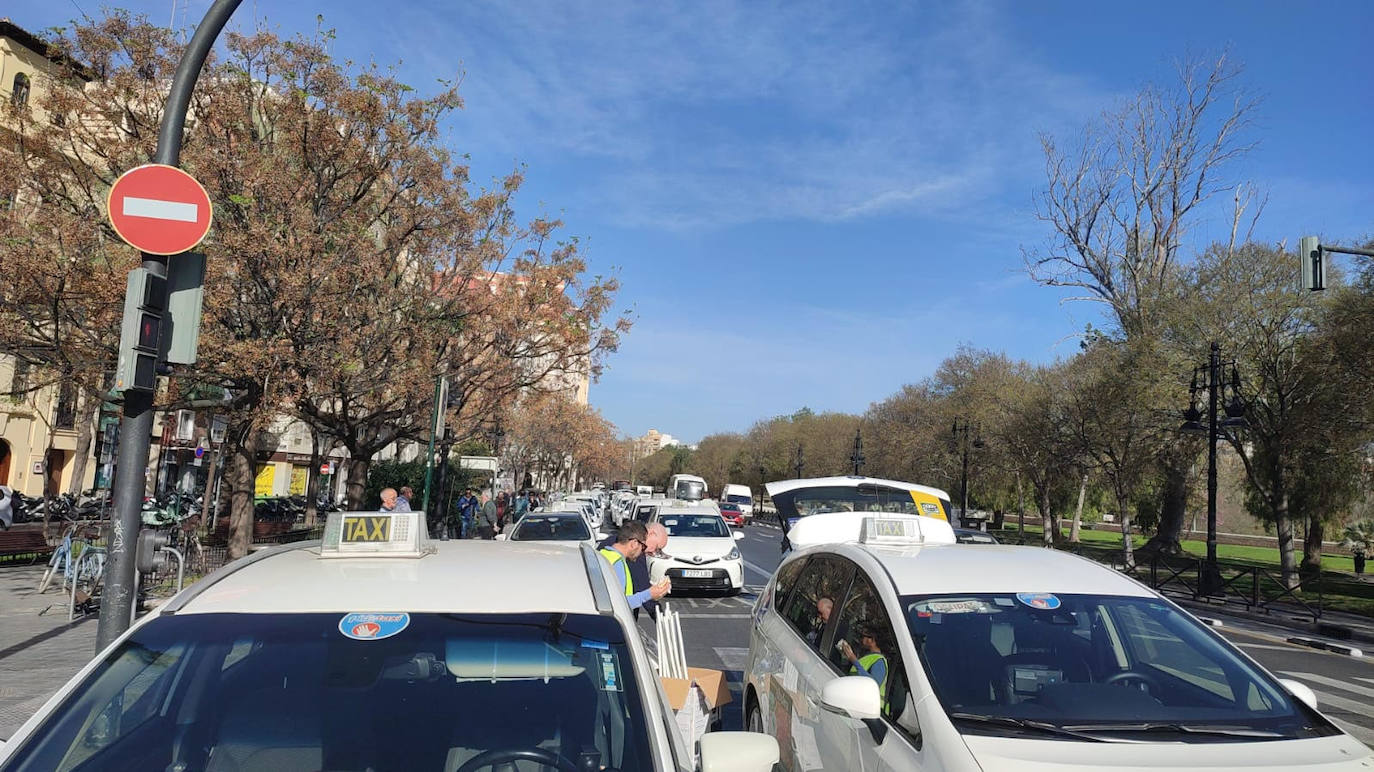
716	633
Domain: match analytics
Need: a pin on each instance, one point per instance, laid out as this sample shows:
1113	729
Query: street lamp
1209	377
497	435
857	457
960	433
800	462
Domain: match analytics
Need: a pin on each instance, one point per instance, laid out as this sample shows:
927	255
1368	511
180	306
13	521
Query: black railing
1254	587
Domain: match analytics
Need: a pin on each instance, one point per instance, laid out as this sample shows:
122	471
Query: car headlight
734	554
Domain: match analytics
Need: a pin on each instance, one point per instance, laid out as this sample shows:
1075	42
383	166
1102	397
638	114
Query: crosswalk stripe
1366	680
1328	700
1363	734
1268	646
1332	682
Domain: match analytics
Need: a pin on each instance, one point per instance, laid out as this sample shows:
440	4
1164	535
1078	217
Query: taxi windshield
694	525
551	528
1100	667
221	692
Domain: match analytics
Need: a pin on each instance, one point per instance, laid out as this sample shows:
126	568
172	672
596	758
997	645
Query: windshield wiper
1029	724
1174	727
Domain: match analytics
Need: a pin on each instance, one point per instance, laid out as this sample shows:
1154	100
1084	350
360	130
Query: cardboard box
712	684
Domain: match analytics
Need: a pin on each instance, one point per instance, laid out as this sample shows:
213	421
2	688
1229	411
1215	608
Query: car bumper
719	575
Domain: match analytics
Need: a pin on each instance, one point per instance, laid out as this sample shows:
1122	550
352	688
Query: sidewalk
39	650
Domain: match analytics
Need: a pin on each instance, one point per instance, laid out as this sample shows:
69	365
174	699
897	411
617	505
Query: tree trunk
357	480
312	484
1172	514
1078	510
1042	495
241	474
85	432
1312	546
1127	548
1021	508
1283	526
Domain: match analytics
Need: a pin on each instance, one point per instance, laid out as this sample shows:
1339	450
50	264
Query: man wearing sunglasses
630	545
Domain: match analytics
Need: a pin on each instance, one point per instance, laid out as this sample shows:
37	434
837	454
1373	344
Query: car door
809	619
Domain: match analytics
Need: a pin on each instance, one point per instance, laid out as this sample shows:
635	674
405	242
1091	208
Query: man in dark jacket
656	540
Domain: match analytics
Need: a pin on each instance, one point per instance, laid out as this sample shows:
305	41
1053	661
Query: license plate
696	573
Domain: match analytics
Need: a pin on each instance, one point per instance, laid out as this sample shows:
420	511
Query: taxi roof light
375	535
877	529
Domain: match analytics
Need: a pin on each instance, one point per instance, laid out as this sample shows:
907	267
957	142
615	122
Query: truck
686	487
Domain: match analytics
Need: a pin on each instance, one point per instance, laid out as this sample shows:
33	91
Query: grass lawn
1341	591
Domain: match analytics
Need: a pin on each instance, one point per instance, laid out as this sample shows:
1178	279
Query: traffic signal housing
150	557
140	337
1313	268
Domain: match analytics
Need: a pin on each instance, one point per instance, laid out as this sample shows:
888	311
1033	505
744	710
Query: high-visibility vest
615	557
868	661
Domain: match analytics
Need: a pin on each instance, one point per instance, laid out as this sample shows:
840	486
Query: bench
23	544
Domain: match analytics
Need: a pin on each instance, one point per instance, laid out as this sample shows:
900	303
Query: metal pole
117	605
1212	574
433	433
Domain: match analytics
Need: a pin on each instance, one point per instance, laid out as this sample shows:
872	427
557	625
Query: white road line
1361	733
758	570
1327	700
1366	680
1267	646
1338	684
160	210
733	657
690	615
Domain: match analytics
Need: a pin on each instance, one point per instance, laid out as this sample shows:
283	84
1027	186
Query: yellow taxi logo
889	528
363	529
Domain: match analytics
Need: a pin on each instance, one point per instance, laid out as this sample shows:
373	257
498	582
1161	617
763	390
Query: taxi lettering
367	529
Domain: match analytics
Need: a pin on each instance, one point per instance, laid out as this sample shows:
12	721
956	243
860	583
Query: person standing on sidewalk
487	517
467	505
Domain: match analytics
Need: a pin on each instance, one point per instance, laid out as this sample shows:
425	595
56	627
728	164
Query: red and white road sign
159	209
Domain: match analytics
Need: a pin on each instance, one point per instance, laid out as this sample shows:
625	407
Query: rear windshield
295	692
735	498
542	528
694	525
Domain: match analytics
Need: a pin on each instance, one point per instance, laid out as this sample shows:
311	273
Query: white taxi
701	553
881	644
377	649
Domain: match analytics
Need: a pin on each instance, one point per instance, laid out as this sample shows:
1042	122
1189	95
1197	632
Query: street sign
327	468
159	209
200	451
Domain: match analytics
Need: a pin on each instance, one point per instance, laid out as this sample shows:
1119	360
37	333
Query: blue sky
815	203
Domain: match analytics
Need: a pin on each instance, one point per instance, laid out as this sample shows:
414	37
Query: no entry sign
159	209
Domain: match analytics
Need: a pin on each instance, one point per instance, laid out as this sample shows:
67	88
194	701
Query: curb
1328	629
1334	648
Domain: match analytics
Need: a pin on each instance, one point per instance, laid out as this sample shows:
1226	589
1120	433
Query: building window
19	94
66	407
19	384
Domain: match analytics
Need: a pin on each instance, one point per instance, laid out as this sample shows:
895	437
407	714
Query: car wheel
733	591
753	722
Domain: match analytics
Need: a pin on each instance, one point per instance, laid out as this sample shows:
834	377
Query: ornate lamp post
857	457
800	462
960	433
1209	378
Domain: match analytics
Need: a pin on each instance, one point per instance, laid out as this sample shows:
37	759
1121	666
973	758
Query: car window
786	578
867	629
313	691
536	528
819	590
693	526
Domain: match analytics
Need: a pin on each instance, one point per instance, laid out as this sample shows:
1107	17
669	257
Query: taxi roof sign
375	534
878	529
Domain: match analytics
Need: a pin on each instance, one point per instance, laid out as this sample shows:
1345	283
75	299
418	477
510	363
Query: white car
701	553
881	644
569	528
379	650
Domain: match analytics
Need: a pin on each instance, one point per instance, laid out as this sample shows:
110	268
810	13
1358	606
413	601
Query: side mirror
739	535
1300	690
855	696
738	752
600	536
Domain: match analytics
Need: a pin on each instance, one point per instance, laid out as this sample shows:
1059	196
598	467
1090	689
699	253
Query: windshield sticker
670	522
1043	601
610	673
370	626
588	643
928	608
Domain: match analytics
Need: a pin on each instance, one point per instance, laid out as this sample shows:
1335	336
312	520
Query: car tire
733	591
753	719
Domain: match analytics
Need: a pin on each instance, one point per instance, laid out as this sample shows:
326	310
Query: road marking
1328	681
1361	733
733	657
690	615
758	570
1267	646
1366	680
160	210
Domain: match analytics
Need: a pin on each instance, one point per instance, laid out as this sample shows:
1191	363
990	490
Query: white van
741	495
686	487
644	491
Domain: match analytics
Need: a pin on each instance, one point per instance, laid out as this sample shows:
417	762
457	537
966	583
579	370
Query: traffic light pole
117	605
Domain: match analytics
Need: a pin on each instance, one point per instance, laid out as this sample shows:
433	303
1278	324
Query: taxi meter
375	534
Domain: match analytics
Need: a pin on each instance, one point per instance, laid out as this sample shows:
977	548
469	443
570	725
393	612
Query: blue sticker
590	644
1043	601
373	626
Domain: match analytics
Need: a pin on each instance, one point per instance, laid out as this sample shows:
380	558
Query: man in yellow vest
630	545
873	663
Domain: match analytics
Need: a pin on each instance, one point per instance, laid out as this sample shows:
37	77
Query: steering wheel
1127	677
502	755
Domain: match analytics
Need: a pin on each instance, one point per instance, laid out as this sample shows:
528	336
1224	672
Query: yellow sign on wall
265	481
300	477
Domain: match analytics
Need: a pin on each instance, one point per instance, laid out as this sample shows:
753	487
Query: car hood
687	547
1328	754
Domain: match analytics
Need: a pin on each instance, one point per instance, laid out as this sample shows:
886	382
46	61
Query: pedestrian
467	511
522	505
630	544
656	540
391	501
406	496
487	517
502	509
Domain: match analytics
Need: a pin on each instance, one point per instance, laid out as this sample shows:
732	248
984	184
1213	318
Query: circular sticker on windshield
373	626
1039	600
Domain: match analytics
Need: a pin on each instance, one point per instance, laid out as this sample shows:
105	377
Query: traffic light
150	557
1313	271
185	296
140	337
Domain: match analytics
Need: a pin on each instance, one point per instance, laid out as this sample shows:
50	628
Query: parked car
732	514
